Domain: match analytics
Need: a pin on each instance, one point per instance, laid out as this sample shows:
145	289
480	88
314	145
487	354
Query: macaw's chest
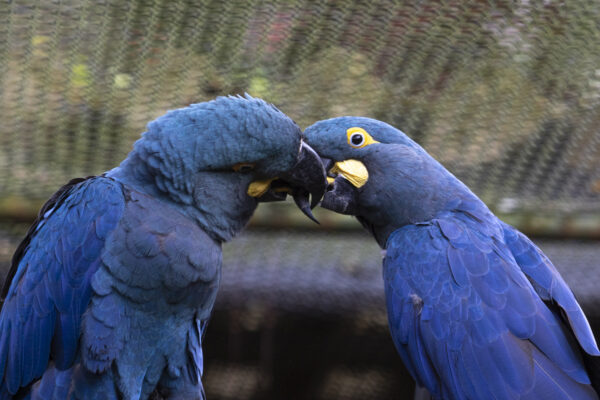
158	257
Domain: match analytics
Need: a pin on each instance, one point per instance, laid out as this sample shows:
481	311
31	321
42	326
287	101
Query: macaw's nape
112	288
475	309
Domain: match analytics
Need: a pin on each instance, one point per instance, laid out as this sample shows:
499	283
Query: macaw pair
110	292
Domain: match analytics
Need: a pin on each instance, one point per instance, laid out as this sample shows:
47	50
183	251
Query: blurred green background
506	94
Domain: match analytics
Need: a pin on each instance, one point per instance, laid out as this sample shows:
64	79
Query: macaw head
220	158
378	174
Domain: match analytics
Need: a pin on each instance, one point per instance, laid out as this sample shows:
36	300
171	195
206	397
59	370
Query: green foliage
80	76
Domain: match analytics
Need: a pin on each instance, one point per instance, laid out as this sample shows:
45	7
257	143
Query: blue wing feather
481	328
550	285
50	287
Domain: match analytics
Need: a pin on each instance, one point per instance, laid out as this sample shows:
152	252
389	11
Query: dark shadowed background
506	94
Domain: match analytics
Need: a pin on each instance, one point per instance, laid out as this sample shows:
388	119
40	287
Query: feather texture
111	289
42	311
509	344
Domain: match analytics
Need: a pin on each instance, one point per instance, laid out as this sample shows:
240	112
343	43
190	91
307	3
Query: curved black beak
341	197
307	177
305	180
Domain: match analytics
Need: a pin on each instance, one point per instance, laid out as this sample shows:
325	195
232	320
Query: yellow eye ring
358	137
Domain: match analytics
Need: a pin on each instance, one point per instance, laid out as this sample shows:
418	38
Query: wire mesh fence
504	93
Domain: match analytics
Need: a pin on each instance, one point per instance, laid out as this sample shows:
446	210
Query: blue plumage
475	309
487	339
111	290
42	311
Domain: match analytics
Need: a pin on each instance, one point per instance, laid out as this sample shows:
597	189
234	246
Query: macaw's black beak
341	197
306	179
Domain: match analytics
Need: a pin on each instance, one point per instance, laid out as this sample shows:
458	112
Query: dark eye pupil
357	139
245	168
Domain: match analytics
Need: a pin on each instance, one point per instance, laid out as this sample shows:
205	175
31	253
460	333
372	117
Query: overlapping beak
305	182
345	179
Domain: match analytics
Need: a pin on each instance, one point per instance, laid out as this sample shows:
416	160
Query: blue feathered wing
467	305
50	290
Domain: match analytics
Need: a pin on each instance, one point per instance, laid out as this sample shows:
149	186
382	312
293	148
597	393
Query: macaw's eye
243	167
358	137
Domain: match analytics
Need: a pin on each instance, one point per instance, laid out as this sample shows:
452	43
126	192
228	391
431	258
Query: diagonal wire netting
505	93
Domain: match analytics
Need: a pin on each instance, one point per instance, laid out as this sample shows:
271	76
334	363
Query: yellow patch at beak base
258	188
353	170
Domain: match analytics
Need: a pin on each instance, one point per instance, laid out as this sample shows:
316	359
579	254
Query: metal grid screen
505	93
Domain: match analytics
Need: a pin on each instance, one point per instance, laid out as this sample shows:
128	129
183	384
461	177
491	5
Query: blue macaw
475	309
109	294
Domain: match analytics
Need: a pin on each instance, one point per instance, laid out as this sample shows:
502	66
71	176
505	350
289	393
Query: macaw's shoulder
468	314
94	204
48	288
98	195
469	229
